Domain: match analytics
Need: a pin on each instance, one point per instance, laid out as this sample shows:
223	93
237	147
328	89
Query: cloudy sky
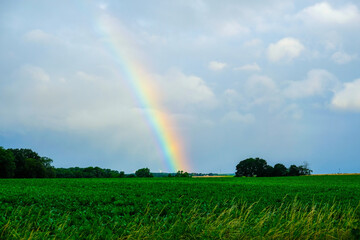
274	79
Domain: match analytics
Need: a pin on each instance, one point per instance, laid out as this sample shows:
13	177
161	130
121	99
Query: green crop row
316	207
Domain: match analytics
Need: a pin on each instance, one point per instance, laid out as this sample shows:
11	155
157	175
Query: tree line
88	172
258	167
25	163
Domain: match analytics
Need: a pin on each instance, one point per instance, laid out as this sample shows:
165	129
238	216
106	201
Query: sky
114	84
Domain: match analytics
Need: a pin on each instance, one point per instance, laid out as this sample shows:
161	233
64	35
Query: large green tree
252	167
279	170
49	170
143	172
30	165
294	170
20	161
258	167
7	164
34	169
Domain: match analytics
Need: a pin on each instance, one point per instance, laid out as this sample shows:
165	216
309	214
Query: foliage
279	170
25	163
181	208
304	169
143	172
28	164
251	167
258	167
89	172
294	171
7	164
182	174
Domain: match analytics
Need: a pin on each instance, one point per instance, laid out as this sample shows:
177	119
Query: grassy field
311	207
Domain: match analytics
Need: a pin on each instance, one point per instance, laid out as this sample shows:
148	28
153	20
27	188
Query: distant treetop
258	167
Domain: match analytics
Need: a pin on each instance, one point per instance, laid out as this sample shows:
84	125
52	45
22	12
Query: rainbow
121	46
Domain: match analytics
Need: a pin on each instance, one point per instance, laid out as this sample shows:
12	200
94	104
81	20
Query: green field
308	207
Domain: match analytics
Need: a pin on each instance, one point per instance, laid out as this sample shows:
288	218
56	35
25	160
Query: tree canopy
258	167
25	163
7	163
279	170
89	172
250	167
182	174
143	172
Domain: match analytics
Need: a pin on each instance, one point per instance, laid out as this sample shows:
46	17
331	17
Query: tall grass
292	220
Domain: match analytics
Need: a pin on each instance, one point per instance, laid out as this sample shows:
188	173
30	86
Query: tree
182	174
294	170
20	160
304	169
49	170
89	172
7	164
258	167
143	172
34	168
269	171
185	174
251	167
279	170
122	174
28	164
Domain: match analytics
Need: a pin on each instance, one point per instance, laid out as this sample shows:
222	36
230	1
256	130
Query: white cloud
102	118
233	98
198	5
342	57
293	111
260	84
285	49
217	66
348	98
261	90
84	104
180	91
230	29
324	13
318	81
103	6
153	38
231	94
256	42
35	73
204	41
48	101
234	116
40	36
249	67
87	76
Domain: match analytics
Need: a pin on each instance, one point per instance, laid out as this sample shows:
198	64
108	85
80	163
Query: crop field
311	207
